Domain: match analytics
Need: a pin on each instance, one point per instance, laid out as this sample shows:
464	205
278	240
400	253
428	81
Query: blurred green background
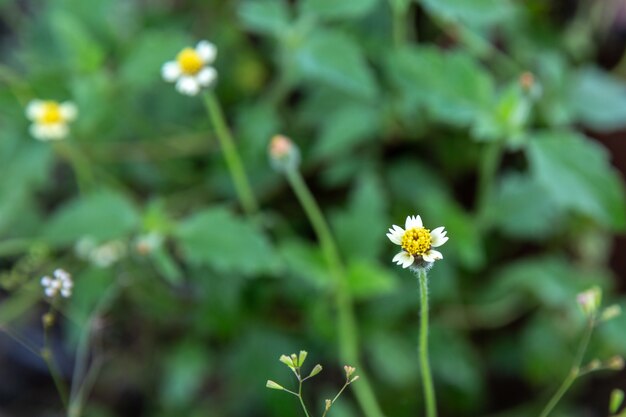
482	116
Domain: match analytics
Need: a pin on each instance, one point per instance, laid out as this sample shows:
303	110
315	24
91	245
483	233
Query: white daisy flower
61	283
50	118
417	243
191	70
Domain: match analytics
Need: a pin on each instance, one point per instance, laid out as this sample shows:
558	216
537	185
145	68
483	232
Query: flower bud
615	363
617	398
527	80
48	320
589	300
284	155
349	371
273	385
328	404
316	370
611	312
302	357
354	379
287	360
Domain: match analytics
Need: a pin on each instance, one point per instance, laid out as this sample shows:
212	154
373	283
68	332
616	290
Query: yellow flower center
50	113
189	61
416	241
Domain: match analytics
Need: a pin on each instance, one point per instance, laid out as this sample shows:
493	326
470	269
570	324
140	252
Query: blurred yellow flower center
50	113
189	61
416	241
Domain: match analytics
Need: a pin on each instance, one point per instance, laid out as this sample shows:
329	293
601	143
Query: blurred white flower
101	255
50	118
191	70
61	283
417	243
147	243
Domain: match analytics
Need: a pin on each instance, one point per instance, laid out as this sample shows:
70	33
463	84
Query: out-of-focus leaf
361	229
367	279
306	261
217	238
102	215
186	366
551	280
452	86
577	174
269	17
394	357
334	59
339	9
456	364
81	49
598	99
547	352
347	128
517	211
474	13
19	303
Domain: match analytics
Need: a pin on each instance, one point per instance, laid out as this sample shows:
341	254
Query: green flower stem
306	412
80	165
427	379
233	161
487	175
574	371
399	18
348	334
48	357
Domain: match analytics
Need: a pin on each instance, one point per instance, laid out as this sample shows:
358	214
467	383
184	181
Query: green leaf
267	17
339	9
334	59
473	13
517	212
577	174
217	238
307	262
186	367
102	215
598	99
75	39
452	86
367	279
346	128
19	303
361	228
551	280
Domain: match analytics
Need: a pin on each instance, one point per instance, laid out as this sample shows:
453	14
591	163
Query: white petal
414	222
438	237
34	110
188	85
45	281
432	256
50	292
206	76
395	234
56	131
207	51
170	71
66	292
69	111
403	258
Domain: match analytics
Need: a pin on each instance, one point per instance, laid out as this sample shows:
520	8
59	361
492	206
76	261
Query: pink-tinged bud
527	81
284	154
589	301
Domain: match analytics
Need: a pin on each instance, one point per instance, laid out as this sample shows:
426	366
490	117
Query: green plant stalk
348	335
574	371
398	24
233	161
80	166
487	175
427	379
300	397
48	357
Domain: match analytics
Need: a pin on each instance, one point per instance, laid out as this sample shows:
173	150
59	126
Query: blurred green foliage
473	114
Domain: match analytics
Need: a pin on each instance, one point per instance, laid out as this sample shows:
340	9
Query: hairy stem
427	379
233	161
348	333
